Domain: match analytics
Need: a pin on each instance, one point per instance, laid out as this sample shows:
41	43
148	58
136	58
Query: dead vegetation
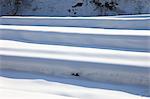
104	5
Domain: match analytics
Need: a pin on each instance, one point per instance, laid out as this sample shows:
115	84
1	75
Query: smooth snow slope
21	85
117	66
120	22
115	56
130	40
74	53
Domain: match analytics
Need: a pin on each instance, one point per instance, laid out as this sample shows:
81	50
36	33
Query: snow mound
78	48
119	22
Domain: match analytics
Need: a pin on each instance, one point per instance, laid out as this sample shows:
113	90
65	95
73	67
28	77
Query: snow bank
131	40
132	16
16	85
113	56
95	64
121	22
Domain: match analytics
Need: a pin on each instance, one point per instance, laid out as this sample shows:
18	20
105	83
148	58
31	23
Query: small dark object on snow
75	12
78	5
69	10
111	5
75	74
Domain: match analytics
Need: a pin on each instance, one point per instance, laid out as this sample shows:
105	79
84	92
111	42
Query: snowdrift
120	22
116	66
16	85
71	47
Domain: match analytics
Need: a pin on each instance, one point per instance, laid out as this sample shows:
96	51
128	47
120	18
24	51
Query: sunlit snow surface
38	56
16	85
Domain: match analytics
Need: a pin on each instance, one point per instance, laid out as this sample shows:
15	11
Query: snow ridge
96	53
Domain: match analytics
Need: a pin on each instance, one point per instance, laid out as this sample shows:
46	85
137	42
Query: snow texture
74	7
16	85
120	22
118	56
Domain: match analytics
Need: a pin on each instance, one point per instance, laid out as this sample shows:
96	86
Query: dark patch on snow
77	5
75	74
105	6
75	12
69	10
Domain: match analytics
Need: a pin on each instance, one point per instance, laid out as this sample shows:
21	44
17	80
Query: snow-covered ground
82	57
117	22
129	40
16	85
74	7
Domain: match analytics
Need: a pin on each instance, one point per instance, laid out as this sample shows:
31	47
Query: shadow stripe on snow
131	40
122	67
74	53
98	22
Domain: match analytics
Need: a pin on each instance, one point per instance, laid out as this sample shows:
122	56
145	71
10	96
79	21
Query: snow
39	55
129	40
69	56
65	7
39	86
120	22
79	30
14	48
